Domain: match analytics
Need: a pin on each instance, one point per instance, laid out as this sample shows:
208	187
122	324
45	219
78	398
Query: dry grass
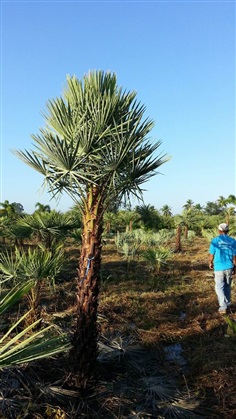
178	306
140	315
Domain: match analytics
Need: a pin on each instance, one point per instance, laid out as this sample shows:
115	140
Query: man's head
223	228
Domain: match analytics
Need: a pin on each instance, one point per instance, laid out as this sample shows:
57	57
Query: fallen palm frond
136	384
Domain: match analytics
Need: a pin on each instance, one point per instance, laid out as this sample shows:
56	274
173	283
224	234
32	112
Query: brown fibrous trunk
83	355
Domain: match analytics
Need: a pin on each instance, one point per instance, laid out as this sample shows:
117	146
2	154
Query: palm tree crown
95	136
166	210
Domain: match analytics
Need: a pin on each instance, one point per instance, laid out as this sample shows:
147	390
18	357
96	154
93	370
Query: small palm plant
156	258
129	250
151	239
231	331
50	228
39	265
128	244
17	233
121	238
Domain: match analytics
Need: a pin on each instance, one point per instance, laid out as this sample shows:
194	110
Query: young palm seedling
39	265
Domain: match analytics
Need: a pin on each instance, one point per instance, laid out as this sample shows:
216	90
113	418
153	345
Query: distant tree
188	205
166	211
149	217
231	199
19	209
110	220
222	202
212	208
42	208
198	207
127	219
229	212
6	208
11	210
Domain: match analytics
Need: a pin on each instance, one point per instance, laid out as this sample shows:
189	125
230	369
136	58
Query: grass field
165	352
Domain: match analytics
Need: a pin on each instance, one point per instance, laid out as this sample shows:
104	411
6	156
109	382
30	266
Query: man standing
223	259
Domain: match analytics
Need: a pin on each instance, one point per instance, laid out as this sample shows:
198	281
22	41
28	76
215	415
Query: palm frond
96	134
28	345
8	265
12	296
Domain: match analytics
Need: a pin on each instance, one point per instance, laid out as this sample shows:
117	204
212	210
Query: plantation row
33	247
51	226
34	258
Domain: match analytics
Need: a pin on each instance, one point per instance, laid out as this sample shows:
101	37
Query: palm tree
127	218
7	209
50	227
212	208
222	201
232	210
95	148
189	205
110	219
229	214
5	225
18	232
149	216
42	208
198	207
166	211
178	245
231	199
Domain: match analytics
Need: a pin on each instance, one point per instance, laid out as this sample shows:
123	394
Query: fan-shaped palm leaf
27	345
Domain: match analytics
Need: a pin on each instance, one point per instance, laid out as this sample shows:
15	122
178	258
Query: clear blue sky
178	55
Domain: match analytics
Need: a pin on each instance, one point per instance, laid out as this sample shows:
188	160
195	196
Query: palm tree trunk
33	301
178	247
83	355
108	227
186	232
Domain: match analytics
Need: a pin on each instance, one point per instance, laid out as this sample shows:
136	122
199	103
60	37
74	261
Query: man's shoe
222	312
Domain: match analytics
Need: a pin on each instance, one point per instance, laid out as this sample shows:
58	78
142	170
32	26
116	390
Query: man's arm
234	268
211	261
211	254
